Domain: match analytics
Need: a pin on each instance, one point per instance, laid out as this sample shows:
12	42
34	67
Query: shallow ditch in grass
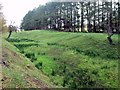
64	71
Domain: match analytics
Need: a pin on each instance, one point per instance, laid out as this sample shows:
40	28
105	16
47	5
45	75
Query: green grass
46	62
72	59
18	71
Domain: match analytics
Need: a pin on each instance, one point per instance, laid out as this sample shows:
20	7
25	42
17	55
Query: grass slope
72	60
18	71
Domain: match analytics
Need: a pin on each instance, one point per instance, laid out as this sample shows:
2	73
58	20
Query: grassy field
71	60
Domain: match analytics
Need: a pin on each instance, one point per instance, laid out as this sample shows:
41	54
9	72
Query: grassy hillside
72	60
18	71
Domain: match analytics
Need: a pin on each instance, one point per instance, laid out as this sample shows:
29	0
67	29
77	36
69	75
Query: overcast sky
15	10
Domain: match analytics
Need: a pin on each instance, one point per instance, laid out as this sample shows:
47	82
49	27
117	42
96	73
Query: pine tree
82	18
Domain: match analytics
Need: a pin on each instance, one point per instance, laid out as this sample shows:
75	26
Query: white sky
15	10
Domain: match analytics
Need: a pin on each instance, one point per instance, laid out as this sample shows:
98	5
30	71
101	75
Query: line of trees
74	16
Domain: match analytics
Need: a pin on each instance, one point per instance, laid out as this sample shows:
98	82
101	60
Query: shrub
56	58
95	72
53	73
22	51
52	43
33	59
30	55
41	53
80	78
39	65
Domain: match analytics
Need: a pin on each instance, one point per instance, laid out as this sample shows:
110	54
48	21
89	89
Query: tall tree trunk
94	23
98	25
118	26
60	15
107	12
103	17
68	16
74	17
111	15
71	21
88	17
82	19
78	18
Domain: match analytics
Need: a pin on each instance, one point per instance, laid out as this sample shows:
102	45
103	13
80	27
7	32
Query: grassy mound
71	60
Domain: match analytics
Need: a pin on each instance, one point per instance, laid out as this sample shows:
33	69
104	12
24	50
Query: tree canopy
74	16
3	26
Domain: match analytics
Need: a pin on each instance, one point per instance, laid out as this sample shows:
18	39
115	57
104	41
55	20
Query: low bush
39	65
52	43
30	55
41	53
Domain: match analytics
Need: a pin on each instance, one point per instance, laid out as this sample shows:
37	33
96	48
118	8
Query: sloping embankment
18	71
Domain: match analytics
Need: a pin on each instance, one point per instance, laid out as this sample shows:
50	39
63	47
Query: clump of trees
3	26
74	16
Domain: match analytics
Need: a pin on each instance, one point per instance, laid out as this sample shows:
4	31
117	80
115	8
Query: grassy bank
72	60
18	71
